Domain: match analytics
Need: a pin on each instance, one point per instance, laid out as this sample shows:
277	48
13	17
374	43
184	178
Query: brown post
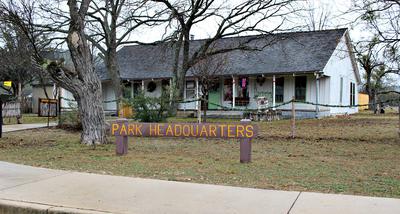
293	118
122	141
245	148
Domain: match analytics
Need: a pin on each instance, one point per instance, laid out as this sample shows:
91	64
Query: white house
317	67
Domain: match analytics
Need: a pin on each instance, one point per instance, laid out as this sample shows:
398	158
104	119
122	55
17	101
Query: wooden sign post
244	131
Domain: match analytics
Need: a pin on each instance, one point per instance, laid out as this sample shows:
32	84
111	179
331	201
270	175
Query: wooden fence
11	109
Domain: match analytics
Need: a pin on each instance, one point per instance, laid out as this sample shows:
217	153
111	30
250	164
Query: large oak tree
81	80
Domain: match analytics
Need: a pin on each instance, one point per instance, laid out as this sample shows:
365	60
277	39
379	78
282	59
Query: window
352	94
300	88
137	87
242	92
228	91
279	83
127	89
190	89
164	84
243	87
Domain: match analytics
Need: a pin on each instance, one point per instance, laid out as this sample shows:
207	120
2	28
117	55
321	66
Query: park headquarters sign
244	131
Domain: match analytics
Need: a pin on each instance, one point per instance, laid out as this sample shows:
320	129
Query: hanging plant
260	80
151	86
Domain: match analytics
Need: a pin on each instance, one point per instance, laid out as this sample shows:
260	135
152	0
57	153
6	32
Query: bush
70	119
150	109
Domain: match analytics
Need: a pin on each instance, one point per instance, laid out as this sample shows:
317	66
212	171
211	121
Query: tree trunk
175	76
82	81
92	117
113	71
369	91
19	98
373	101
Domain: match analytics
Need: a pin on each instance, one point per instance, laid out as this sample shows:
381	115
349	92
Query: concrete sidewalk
25	189
20	127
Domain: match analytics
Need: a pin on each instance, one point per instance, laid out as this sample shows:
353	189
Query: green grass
28	119
357	155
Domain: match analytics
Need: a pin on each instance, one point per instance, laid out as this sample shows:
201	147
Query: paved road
23	188
20	127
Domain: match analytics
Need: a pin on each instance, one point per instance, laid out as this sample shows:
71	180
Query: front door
214	96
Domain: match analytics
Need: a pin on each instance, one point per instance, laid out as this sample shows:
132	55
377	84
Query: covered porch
241	93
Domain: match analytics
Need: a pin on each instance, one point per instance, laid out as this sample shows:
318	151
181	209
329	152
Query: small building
47	89
53	92
316	67
363	99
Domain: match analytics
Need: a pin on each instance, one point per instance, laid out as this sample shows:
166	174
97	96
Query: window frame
283	89
352	94
305	88
192	90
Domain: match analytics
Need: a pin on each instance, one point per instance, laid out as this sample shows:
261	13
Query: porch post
132	92
143	86
198	102
317	95
233	92
273	91
170	91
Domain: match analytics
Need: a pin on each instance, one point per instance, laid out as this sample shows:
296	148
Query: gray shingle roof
295	52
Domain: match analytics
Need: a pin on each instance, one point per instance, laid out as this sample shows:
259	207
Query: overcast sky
338	18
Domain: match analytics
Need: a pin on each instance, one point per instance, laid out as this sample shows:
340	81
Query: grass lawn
358	155
28	119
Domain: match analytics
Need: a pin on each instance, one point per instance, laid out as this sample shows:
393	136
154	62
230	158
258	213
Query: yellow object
126	111
363	99
7	83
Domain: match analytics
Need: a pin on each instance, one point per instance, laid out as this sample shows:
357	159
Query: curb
12	207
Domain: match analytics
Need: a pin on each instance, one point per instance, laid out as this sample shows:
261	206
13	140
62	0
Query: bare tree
382	83
111	22
208	71
382	16
249	16
368	58
82	81
316	17
15	63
